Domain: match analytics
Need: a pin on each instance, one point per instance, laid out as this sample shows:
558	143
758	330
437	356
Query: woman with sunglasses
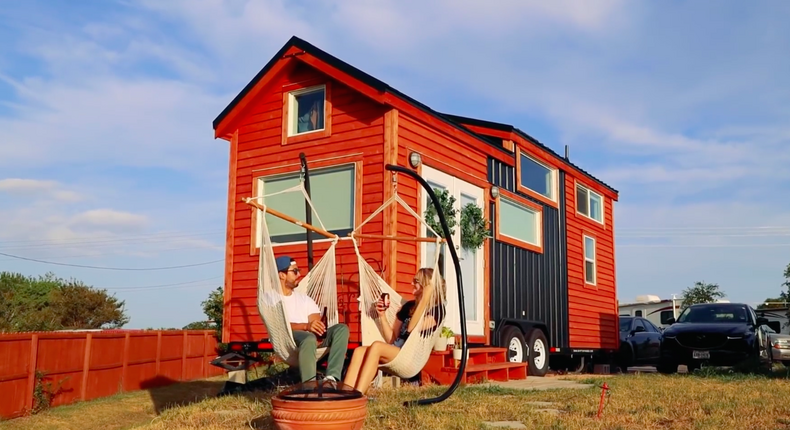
366	359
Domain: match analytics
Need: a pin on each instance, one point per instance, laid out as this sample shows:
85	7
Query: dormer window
307	110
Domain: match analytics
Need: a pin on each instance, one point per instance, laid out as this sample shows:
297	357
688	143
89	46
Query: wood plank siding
357	136
593	308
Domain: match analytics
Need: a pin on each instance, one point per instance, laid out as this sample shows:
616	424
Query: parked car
640	342
716	334
779	345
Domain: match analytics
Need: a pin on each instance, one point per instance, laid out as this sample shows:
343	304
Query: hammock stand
459	281
447	238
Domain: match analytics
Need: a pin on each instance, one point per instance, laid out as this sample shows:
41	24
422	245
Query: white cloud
647	99
109	219
35	188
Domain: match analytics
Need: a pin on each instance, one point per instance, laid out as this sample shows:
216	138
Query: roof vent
648	298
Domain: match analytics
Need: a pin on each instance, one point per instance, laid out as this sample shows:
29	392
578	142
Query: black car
640	342
716	334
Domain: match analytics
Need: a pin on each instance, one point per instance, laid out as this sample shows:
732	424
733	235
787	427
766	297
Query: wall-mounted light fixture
415	159
494	191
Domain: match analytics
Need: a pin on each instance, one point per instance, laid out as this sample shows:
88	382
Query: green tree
213	308
778	302
701	292
49	303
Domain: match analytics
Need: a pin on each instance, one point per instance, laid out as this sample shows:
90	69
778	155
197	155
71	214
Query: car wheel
625	357
667	368
513	340
538	353
786	363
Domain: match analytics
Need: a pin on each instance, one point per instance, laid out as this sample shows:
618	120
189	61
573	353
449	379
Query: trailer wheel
513	340
538	353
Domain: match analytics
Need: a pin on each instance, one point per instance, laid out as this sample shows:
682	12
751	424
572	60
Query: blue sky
107	156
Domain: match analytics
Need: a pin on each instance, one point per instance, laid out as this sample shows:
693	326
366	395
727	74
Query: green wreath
474	227
447	202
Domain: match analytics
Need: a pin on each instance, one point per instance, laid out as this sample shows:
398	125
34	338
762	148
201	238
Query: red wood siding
444	153
357	135
592	308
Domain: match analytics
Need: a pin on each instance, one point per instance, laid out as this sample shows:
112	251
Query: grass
706	400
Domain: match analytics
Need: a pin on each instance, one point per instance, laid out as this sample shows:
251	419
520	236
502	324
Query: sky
107	155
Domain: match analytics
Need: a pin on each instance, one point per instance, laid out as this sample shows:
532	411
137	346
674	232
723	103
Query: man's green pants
337	341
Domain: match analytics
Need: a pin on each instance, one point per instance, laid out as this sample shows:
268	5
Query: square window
306	111
589	203
589	260
537	177
332	192
518	224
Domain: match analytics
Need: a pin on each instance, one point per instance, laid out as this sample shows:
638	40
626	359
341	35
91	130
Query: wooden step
503	371
483	363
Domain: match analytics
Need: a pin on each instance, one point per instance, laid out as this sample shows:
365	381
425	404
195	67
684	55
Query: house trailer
539	292
656	310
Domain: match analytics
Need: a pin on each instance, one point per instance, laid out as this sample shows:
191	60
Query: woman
366	359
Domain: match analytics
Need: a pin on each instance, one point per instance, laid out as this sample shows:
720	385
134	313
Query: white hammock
418	346
320	284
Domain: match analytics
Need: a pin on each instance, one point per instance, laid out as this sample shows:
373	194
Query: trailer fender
526	341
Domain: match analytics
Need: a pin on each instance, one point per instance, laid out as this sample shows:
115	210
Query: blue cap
284	262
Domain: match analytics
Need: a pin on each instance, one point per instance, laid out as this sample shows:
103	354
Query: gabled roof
382	89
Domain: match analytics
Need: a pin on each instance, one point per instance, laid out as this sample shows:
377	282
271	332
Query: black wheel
625	358
667	368
786	363
513	340
538	353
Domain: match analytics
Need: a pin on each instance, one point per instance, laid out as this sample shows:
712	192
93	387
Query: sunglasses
296	271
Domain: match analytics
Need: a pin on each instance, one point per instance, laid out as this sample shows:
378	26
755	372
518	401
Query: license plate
700	355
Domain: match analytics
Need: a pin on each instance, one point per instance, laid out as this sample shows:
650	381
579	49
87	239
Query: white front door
471	261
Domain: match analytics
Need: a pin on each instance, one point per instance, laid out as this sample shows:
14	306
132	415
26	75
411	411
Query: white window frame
594	260
261	181
538	221
554	187
293	110
590	194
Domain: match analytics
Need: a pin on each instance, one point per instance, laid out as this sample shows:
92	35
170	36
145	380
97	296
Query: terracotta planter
328	414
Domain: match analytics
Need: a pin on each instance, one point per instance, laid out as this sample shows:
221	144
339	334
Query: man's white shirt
299	306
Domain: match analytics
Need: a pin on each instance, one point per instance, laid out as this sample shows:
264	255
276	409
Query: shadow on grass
167	393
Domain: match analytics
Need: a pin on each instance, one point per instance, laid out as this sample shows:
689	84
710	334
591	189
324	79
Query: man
305	319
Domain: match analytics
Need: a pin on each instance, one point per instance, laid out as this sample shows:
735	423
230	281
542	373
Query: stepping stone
505	424
541	404
551	411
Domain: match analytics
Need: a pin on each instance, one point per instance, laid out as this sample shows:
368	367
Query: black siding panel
525	284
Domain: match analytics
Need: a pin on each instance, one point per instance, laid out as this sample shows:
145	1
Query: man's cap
284	262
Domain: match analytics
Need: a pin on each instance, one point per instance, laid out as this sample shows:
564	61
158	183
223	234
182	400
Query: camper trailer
654	309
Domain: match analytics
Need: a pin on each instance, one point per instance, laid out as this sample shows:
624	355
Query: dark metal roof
509	128
378	85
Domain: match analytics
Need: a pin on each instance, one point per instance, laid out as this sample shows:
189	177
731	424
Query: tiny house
540	289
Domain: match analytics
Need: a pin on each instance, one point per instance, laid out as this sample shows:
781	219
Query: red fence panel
86	365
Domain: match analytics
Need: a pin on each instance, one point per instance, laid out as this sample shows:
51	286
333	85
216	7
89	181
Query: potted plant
442	340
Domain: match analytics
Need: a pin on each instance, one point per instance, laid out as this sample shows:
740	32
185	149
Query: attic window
306	110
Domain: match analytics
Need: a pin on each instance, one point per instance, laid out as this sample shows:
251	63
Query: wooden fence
91	364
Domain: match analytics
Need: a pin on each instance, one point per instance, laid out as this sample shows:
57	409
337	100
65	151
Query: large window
537	178
332	193
589	203
306	111
589	261
519	224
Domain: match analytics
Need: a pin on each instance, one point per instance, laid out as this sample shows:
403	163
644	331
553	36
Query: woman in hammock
366	359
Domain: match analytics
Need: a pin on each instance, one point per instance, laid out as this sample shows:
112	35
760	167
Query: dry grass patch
635	401
706	401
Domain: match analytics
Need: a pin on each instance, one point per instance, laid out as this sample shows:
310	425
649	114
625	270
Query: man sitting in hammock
366	359
305	320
